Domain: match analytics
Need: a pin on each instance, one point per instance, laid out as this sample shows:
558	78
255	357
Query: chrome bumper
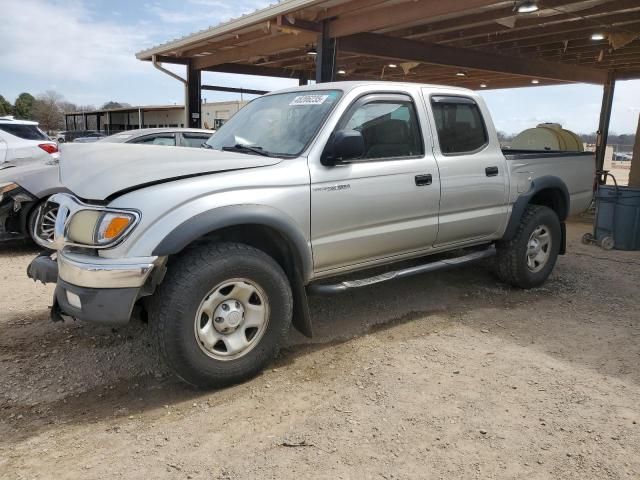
96	272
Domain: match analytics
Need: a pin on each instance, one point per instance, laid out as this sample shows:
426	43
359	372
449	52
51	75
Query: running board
330	289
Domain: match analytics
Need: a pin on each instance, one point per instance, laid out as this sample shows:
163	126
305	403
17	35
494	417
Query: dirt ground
443	376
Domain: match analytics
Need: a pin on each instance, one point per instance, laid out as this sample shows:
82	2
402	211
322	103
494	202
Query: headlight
100	228
17	193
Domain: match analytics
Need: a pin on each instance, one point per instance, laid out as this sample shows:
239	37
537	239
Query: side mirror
344	145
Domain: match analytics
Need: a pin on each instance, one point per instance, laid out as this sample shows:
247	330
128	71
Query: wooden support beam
493	36
275	44
628	75
193	102
168	59
232	41
347	8
551	13
326	56
248	91
399	14
289	22
605	118
242	69
411	50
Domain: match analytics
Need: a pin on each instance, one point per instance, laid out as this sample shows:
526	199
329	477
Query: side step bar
330	289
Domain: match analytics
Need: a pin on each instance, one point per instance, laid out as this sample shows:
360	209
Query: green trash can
618	216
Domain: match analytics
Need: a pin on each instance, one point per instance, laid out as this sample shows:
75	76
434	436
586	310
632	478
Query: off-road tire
511	261
174	305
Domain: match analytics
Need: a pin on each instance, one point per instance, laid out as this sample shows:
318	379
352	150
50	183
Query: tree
23	107
47	111
5	107
111	104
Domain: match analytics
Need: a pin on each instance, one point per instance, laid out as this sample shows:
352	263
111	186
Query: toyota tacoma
304	191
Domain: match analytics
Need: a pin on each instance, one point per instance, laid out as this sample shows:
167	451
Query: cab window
194	140
389	128
459	124
167	139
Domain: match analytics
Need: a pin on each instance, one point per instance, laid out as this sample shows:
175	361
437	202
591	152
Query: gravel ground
451	375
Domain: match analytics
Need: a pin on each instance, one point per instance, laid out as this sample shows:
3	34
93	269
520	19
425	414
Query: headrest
391	132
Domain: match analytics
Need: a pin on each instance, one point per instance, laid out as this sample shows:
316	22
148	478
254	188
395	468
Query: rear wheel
527	259
221	313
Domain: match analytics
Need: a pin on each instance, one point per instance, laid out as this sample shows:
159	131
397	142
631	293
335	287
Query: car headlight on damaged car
100	228
16	192
6	188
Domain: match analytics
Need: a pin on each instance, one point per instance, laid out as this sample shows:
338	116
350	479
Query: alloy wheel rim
231	319
45	225
538	248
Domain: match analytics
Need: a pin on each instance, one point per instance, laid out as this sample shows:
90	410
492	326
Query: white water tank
547	136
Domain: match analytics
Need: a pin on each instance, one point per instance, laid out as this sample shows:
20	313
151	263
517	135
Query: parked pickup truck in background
220	246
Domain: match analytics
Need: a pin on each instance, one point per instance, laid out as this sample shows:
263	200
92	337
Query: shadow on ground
75	374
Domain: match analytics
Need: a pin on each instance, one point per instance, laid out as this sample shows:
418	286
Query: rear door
385	203
473	171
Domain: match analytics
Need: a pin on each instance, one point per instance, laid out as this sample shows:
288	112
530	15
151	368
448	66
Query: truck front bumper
95	289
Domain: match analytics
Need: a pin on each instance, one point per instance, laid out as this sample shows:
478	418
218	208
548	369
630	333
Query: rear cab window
25	132
166	139
194	140
459	124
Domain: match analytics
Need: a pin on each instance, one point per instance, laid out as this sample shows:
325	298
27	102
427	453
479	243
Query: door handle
491	171
422	180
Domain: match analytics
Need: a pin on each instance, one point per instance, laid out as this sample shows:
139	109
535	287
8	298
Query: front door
383	204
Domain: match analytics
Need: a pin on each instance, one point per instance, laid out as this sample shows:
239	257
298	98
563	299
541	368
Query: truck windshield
280	125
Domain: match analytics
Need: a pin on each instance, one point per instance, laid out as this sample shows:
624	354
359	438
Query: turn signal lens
112	226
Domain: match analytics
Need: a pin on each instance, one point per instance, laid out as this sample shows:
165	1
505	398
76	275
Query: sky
85	50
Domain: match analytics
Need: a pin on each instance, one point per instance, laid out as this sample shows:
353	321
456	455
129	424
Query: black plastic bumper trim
105	306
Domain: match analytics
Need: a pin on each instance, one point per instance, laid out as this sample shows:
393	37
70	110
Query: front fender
218	218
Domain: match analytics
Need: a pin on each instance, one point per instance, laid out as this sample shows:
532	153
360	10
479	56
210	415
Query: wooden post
605	117
634	173
325	56
193	103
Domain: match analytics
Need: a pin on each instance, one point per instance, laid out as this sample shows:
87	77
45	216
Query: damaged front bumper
96	289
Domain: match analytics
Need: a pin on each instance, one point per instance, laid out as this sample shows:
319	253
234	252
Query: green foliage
5	107
23	107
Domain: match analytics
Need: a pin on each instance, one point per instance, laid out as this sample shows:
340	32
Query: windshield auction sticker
309	100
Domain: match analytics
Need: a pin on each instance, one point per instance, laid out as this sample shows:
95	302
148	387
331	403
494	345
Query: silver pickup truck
221	245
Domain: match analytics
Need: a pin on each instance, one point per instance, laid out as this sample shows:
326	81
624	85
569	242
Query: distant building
129	118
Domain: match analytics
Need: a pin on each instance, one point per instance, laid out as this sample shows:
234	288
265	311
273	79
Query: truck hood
97	171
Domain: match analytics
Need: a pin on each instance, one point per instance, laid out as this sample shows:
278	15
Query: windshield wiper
206	145
247	148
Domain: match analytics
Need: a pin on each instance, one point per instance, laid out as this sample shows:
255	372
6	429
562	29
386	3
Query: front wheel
527	260
41	225
221	313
